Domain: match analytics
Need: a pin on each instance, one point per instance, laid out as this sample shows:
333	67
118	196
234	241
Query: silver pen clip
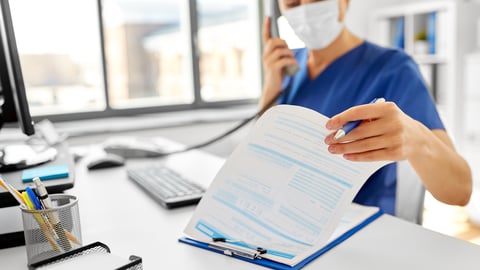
230	250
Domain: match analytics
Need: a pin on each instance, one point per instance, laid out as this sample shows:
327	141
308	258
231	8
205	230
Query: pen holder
53	231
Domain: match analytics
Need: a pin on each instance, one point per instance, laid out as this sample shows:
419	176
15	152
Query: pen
47	231
37	205
22	200
236	250
33	198
351	125
53	217
240	248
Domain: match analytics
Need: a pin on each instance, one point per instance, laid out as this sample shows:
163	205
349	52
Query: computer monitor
12	89
14	105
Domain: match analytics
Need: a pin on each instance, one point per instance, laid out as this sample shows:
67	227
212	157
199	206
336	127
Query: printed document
282	190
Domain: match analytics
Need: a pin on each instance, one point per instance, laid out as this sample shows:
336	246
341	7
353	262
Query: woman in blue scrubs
339	75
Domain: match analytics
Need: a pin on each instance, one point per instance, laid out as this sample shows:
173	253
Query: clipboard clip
248	251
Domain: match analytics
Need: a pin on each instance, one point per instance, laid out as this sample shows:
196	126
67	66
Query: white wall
359	13
357	19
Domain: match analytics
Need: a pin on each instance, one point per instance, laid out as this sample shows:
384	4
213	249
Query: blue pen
61	239
351	125
33	197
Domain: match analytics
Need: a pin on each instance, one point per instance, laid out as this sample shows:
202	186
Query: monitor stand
21	156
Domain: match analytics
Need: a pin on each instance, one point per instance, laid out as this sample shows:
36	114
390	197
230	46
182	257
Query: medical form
282	190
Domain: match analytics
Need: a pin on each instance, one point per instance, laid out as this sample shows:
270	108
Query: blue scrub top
357	77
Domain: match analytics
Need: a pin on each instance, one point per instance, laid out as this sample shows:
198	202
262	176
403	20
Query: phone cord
240	125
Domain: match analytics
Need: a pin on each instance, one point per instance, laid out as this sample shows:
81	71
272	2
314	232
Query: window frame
194	54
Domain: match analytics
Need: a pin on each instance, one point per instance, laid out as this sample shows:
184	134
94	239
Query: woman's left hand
386	133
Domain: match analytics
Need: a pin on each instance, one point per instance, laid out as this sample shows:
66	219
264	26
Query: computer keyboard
166	186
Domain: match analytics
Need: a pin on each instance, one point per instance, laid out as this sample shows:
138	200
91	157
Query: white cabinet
438	35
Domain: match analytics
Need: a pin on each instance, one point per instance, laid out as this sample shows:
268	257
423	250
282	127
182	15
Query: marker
33	198
53	217
351	125
42	193
44	226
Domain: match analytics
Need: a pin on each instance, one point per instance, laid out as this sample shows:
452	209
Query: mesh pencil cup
52	231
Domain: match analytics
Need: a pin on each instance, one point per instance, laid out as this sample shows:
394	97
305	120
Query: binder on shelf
282	199
431	32
399	34
94	256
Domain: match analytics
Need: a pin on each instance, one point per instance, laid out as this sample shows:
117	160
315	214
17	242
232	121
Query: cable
240	125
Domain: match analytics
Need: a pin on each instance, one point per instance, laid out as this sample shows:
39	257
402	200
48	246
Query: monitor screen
13	97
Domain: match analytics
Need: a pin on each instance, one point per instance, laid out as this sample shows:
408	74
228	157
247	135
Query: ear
343	6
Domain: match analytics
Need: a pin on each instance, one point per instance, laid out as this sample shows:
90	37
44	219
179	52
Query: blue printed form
282	190
48	172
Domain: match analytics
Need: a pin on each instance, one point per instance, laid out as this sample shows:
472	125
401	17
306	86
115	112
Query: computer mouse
105	161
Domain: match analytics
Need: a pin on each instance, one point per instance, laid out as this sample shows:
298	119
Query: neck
318	60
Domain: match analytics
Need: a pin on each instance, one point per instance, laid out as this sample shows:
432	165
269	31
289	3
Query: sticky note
48	172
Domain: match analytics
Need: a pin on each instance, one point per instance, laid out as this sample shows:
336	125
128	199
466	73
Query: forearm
445	174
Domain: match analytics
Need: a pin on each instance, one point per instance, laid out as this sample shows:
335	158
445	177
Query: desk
130	222
59	185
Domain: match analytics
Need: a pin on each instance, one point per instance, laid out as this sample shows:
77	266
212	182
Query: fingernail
332	149
329	125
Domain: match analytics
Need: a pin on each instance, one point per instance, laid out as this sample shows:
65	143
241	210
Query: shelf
429	59
430	32
414	8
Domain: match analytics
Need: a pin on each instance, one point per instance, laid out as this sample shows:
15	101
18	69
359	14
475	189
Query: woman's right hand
276	56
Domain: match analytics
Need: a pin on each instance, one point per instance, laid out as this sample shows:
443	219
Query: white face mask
316	24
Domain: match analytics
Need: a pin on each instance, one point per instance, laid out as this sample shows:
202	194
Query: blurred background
91	59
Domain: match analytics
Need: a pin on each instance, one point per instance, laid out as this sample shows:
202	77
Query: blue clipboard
280	266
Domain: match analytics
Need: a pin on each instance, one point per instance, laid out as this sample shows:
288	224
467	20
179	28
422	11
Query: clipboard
237	253
282	191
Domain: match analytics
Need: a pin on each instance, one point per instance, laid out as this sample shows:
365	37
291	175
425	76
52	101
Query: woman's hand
386	133
276	56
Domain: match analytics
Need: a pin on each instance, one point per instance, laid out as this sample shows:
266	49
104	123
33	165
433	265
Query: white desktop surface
116	212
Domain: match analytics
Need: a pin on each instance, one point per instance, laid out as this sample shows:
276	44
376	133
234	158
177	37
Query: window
135	55
147	51
59	46
229	55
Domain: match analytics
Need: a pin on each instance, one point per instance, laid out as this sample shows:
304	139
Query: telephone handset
274	14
